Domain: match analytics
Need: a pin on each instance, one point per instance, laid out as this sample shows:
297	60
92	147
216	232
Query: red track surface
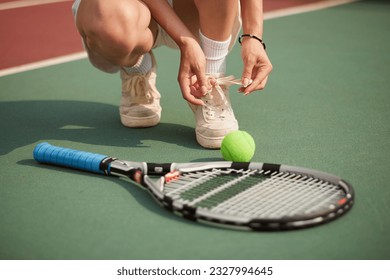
35	33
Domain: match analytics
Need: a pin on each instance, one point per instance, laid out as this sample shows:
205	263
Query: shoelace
228	81
223	81
213	109
138	89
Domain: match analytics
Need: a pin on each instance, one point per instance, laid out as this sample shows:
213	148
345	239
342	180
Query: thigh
115	32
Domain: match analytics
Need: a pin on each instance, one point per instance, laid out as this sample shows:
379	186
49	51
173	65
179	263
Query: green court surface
326	106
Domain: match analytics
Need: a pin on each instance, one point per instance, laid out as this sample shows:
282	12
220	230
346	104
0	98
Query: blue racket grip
46	153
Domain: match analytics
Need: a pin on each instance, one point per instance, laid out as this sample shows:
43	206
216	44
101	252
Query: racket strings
281	195
320	196
226	193
263	199
247	202
188	181
289	191
207	188
254	193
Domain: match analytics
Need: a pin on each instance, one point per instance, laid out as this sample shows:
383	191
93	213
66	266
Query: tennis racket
244	195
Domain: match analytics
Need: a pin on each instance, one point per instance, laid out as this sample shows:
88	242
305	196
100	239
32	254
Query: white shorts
75	7
163	39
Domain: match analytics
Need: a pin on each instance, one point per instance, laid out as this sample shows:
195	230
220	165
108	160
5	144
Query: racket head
252	196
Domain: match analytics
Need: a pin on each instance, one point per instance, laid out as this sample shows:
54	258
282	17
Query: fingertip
204	90
193	90
246	82
198	102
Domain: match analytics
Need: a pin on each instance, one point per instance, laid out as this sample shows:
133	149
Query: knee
108	23
109	29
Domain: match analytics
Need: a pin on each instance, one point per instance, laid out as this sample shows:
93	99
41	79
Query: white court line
43	63
305	8
27	3
82	55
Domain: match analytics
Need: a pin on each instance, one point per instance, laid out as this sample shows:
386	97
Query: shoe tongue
217	97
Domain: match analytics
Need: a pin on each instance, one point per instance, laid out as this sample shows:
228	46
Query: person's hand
257	66
192	79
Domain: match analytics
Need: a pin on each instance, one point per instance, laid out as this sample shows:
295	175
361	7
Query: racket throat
122	169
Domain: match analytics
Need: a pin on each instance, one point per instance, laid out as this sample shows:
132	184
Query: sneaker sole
209	143
140	122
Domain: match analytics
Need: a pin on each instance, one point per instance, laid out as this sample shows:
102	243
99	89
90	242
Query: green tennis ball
238	146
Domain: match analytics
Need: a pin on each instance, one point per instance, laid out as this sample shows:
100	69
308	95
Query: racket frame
144	174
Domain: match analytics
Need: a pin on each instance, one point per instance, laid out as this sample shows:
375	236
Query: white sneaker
140	101
216	118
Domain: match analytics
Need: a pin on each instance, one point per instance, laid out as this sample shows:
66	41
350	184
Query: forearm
166	17
252	17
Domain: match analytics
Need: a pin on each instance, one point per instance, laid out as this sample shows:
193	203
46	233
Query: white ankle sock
143	65
215	52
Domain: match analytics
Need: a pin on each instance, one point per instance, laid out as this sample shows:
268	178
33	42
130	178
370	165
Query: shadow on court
135	191
25	122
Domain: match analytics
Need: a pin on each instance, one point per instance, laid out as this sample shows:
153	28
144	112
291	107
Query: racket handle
46	153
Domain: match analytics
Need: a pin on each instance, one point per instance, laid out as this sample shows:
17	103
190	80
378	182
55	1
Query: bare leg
214	18
116	33
212	23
